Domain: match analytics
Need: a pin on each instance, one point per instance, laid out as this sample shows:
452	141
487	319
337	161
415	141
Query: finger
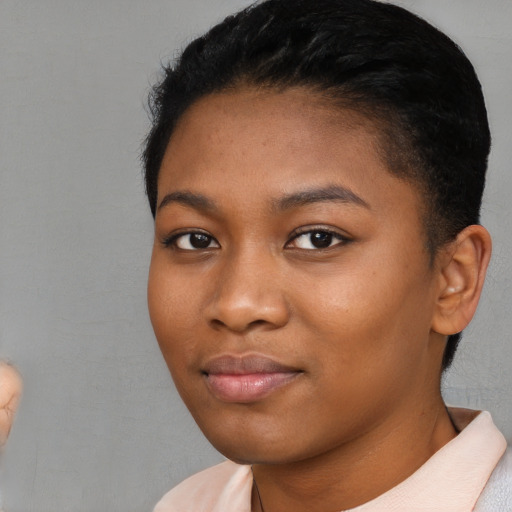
10	392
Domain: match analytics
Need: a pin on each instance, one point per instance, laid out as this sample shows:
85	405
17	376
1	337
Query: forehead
276	142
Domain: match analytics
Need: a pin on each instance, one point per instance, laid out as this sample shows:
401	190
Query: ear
463	264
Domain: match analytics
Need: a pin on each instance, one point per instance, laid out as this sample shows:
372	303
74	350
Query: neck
357	471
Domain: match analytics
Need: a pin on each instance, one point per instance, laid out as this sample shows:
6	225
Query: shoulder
225	487
497	494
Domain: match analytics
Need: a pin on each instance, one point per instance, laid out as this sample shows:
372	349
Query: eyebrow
186	198
304	197
318	195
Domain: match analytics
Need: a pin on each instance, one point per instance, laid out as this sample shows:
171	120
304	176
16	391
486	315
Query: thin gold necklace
257	491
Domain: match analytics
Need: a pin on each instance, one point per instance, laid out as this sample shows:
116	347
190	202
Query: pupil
199	241
321	239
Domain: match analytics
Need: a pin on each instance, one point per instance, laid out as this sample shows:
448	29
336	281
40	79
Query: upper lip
244	365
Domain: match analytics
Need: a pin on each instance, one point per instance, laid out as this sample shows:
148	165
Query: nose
248	295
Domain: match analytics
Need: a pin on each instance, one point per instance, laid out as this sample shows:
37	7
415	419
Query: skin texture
361	324
10	391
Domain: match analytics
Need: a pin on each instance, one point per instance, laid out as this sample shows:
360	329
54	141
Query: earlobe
463	264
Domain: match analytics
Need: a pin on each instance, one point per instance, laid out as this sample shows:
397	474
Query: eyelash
171	241
342	239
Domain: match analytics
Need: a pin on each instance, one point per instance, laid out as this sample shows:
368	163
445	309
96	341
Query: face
290	289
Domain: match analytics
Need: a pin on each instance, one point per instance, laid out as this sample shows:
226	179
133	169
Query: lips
246	379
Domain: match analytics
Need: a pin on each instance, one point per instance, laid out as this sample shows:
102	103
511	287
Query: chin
254	446
255	455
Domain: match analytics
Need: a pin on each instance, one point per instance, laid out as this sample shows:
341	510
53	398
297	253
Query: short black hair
376	58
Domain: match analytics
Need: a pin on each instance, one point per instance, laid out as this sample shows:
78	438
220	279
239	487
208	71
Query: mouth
246	379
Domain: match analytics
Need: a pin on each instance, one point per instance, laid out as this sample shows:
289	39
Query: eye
191	241
317	239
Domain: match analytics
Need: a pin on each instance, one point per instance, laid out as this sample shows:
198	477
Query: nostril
218	324
256	323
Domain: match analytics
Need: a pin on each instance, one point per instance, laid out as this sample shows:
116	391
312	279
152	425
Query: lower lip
247	388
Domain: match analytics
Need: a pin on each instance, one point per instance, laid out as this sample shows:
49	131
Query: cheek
372	343
371	312
172	309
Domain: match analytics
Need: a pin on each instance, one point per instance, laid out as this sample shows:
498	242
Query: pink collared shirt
450	481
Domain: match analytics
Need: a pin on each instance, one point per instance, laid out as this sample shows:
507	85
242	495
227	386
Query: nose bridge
248	291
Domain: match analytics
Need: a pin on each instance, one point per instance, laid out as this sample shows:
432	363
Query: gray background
101	427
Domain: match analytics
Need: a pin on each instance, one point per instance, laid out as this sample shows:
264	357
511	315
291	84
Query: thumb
10	391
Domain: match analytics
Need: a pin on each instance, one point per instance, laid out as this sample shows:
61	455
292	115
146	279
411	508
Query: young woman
315	169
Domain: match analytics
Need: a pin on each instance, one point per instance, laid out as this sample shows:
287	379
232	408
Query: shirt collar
453	478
